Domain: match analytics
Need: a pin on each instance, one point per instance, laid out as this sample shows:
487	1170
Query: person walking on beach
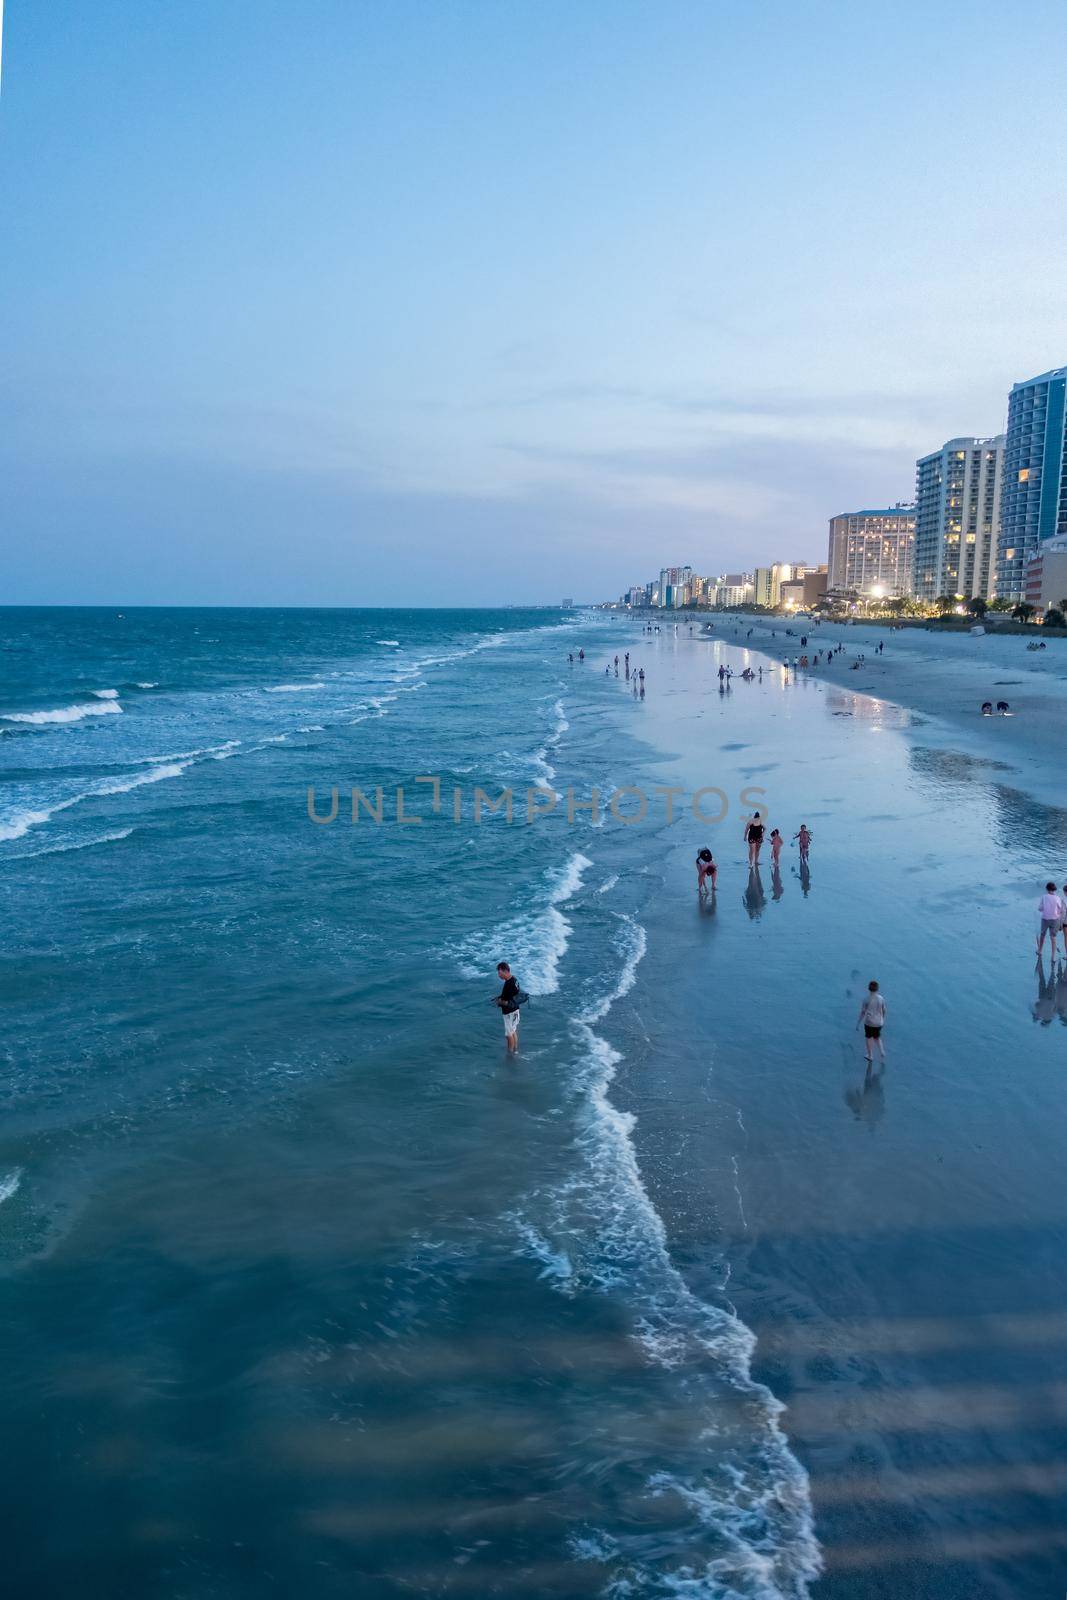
805	837
754	831
722	676
873	1014
706	869
776	846
581	655
1053	913
509	1002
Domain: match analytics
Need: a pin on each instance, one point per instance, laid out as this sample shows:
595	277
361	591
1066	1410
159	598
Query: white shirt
872	1011
1051	907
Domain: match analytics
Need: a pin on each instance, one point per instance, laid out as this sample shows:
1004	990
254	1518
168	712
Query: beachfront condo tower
1034	501
957	518
871	552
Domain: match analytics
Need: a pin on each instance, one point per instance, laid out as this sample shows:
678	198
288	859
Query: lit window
1024	473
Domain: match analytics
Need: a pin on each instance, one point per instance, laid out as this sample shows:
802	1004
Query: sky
390	302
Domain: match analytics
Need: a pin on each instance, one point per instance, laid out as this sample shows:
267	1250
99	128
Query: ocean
309	1289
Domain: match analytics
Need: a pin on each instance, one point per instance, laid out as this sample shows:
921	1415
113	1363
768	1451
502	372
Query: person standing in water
776	846
805	836
753	833
508	1001
873	1011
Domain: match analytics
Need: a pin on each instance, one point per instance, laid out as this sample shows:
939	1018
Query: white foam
9	1185
79	844
292	688
596	1545
633	944
608	884
148	686
387	641
134	780
750	1495
18	823
547	770
536	942
74	713
190	755
106	694
555	1264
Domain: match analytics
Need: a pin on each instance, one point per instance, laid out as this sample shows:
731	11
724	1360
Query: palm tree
977	606
1023	611
945	602
1054	618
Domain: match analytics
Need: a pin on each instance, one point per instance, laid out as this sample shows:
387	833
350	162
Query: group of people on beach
755	832
633	675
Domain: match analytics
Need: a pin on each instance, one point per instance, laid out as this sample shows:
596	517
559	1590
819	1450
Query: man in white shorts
507	1000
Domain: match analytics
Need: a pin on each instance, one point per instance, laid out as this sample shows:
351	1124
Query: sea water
308	1288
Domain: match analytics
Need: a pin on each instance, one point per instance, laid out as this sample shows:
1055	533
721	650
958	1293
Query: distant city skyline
476	305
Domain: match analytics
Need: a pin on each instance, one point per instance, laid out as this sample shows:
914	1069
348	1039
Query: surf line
626	804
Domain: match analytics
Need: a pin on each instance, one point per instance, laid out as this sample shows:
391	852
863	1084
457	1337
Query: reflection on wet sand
754	898
1020	819
1051	999
883	713
867	1103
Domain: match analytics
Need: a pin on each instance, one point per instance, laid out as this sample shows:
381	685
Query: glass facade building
1034	499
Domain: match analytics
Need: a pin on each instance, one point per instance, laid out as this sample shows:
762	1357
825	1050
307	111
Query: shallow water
309	1288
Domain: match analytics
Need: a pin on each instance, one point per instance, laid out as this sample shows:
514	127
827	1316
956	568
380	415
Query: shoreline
891	1238
942	679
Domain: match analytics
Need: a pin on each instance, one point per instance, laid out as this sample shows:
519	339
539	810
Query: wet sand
945	676
896	1240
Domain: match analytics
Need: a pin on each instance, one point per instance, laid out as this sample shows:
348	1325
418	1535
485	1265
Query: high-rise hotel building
957	518
871	552
1034	501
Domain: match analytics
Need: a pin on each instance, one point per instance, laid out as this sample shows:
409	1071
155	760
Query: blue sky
444	302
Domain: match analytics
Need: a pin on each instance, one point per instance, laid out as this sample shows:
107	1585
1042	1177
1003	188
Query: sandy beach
945	677
893	1238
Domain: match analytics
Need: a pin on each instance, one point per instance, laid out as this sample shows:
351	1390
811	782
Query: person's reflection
805	878
754	897
868	1104
777	890
1061	995
1045	1007
706	904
